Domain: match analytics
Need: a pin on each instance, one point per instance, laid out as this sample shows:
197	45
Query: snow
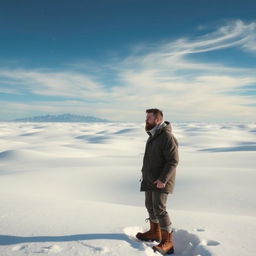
73	189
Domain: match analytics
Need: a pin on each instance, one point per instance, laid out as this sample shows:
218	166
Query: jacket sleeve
171	156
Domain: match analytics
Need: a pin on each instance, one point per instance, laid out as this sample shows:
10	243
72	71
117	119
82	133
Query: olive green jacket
160	160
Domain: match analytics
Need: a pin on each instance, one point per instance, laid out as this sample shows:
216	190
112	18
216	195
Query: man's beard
148	126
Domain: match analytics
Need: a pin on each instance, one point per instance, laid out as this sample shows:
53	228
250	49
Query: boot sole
171	251
148	240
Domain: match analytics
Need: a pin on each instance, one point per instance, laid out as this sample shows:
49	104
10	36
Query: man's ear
158	120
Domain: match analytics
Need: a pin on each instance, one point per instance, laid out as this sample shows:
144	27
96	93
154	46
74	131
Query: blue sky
195	60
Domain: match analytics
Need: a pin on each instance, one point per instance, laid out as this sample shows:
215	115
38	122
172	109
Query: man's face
151	121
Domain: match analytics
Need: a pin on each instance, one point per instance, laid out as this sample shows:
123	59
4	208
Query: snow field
73	189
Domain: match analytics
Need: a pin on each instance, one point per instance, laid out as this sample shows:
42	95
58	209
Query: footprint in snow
95	248
34	248
49	249
19	247
210	242
200	229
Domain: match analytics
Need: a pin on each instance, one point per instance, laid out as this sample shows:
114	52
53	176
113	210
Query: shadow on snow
11	240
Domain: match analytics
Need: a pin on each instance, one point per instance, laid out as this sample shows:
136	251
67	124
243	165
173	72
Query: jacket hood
168	126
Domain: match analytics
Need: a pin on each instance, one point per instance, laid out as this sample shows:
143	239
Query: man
158	179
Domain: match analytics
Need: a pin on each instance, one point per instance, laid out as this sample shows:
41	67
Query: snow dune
73	189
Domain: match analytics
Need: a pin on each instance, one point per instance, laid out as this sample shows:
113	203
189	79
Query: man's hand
159	184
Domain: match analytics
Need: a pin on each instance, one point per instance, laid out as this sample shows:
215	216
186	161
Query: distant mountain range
61	118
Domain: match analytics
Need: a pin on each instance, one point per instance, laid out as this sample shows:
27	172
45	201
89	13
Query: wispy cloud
167	75
54	83
236	33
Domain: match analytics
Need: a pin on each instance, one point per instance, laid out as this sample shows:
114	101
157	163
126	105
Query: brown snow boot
154	234
166	245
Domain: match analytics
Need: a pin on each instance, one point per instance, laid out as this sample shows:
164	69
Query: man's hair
156	112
